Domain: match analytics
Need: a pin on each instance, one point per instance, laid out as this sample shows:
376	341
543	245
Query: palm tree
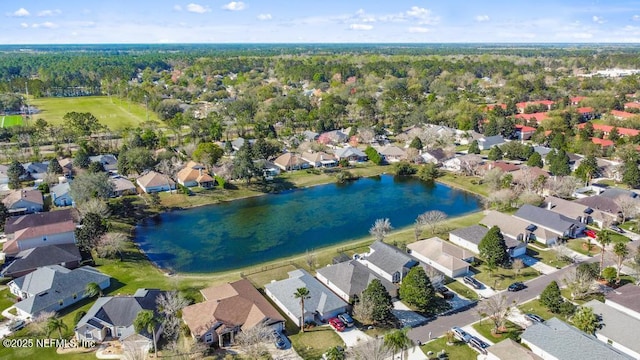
621	251
604	239
146	320
56	324
93	289
398	341
302	294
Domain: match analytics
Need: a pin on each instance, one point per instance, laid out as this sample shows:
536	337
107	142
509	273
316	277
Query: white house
447	258
153	182
35	236
470	237
388	261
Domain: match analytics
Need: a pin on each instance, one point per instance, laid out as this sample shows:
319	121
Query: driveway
538	265
485	292
406	316
352	336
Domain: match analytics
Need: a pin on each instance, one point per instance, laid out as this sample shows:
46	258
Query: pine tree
559	164
14	172
587	169
551	297
54	167
631	175
535	160
474	148
493	248
416	143
378	297
495	153
417	290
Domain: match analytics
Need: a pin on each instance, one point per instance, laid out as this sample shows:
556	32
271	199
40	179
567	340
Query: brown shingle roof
152	179
16	223
34	196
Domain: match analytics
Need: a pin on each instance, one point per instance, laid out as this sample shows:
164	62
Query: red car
336	324
590	233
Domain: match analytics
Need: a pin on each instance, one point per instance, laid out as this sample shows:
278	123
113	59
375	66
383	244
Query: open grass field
112	112
458	350
10	120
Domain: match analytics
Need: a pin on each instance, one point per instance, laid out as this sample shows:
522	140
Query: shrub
567	308
404	168
609	274
79	315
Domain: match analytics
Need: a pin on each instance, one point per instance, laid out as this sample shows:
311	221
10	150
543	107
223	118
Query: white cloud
177	7
423	15
482	18
46	24
597	19
635	17
50	12
264	17
418	29
22	12
235	6
24	25
363	27
197	8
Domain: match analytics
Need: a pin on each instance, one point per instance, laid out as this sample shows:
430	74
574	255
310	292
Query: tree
403	168
207	153
416	143
14	172
609	274
497	308
604	238
580	283
551	297
535	160
170	304
253	341
622	252
373	349
96	206
631	174
243	165
56	324
4	214
54	167
432	219
93	226
112	244
586	320
92	289
559	163
87	186
495	153
398	341
302	294
416	289
380	229
517	265
147	320
378	300
335	353
435	276
81	159
628	207
474	148
135	160
428	172
373	155
310	259
493	248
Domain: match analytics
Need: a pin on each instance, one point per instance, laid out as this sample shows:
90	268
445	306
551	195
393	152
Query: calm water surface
250	231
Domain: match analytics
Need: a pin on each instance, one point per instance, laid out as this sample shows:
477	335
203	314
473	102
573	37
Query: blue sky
331	21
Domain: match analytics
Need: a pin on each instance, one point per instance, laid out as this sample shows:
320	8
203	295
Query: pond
251	231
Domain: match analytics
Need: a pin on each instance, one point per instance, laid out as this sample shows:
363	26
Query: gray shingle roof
568	343
42	256
614	193
60	189
618	326
626	296
322	299
546	218
389	258
352	277
473	234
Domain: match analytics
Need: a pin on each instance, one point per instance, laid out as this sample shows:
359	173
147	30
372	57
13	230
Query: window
88	335
208	337
119	331
60	302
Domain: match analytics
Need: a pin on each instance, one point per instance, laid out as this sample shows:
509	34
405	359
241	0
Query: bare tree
517	265
170	304
634	264
561	186
112	244
310	258
497	308
501	199
253	341
417	229
530	197
133	351
169	169
412	154
95	206
469	165
363	310
39	323
563	253
373	349
367	135
380	229
580	283
436	277
432	219
628	207
493	179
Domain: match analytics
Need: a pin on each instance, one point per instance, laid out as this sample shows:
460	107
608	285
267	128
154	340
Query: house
463	162
571	209
26	261
487	142
392	153
111	318
606	129
622	115
310	135
586	113
351	154
576	100
67	166
153	182
333	137
53	288
604	208
528	175
194	174
445	257
239	142
470	237
321	305
60	194
290	162
227	310
388	261
434	156
348	279
625	298
269	169
36	170
108	161
4	178
554	339
24	201
506	167
517	229
538	117
559	224
510	350
619	328
319	159
525	132
632	105
122	186
40	235
521	106
604	143
16	223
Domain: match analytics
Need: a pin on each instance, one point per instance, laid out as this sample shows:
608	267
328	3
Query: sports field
112	112
10	120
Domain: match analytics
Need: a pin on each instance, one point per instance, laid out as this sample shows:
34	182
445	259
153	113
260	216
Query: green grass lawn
316	341
580	245
511	331
458	350
566	293
534	307
10	120
468	183
7	299
548	257
501	278
462	290
112	112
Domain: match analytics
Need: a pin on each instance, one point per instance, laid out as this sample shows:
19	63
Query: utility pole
26	87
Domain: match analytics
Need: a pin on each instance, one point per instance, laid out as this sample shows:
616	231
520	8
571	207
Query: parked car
473	282
280	342
616	229
590	233
16	325
516	286
478	344
533	318
346	319
336	324
446	293
461	334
